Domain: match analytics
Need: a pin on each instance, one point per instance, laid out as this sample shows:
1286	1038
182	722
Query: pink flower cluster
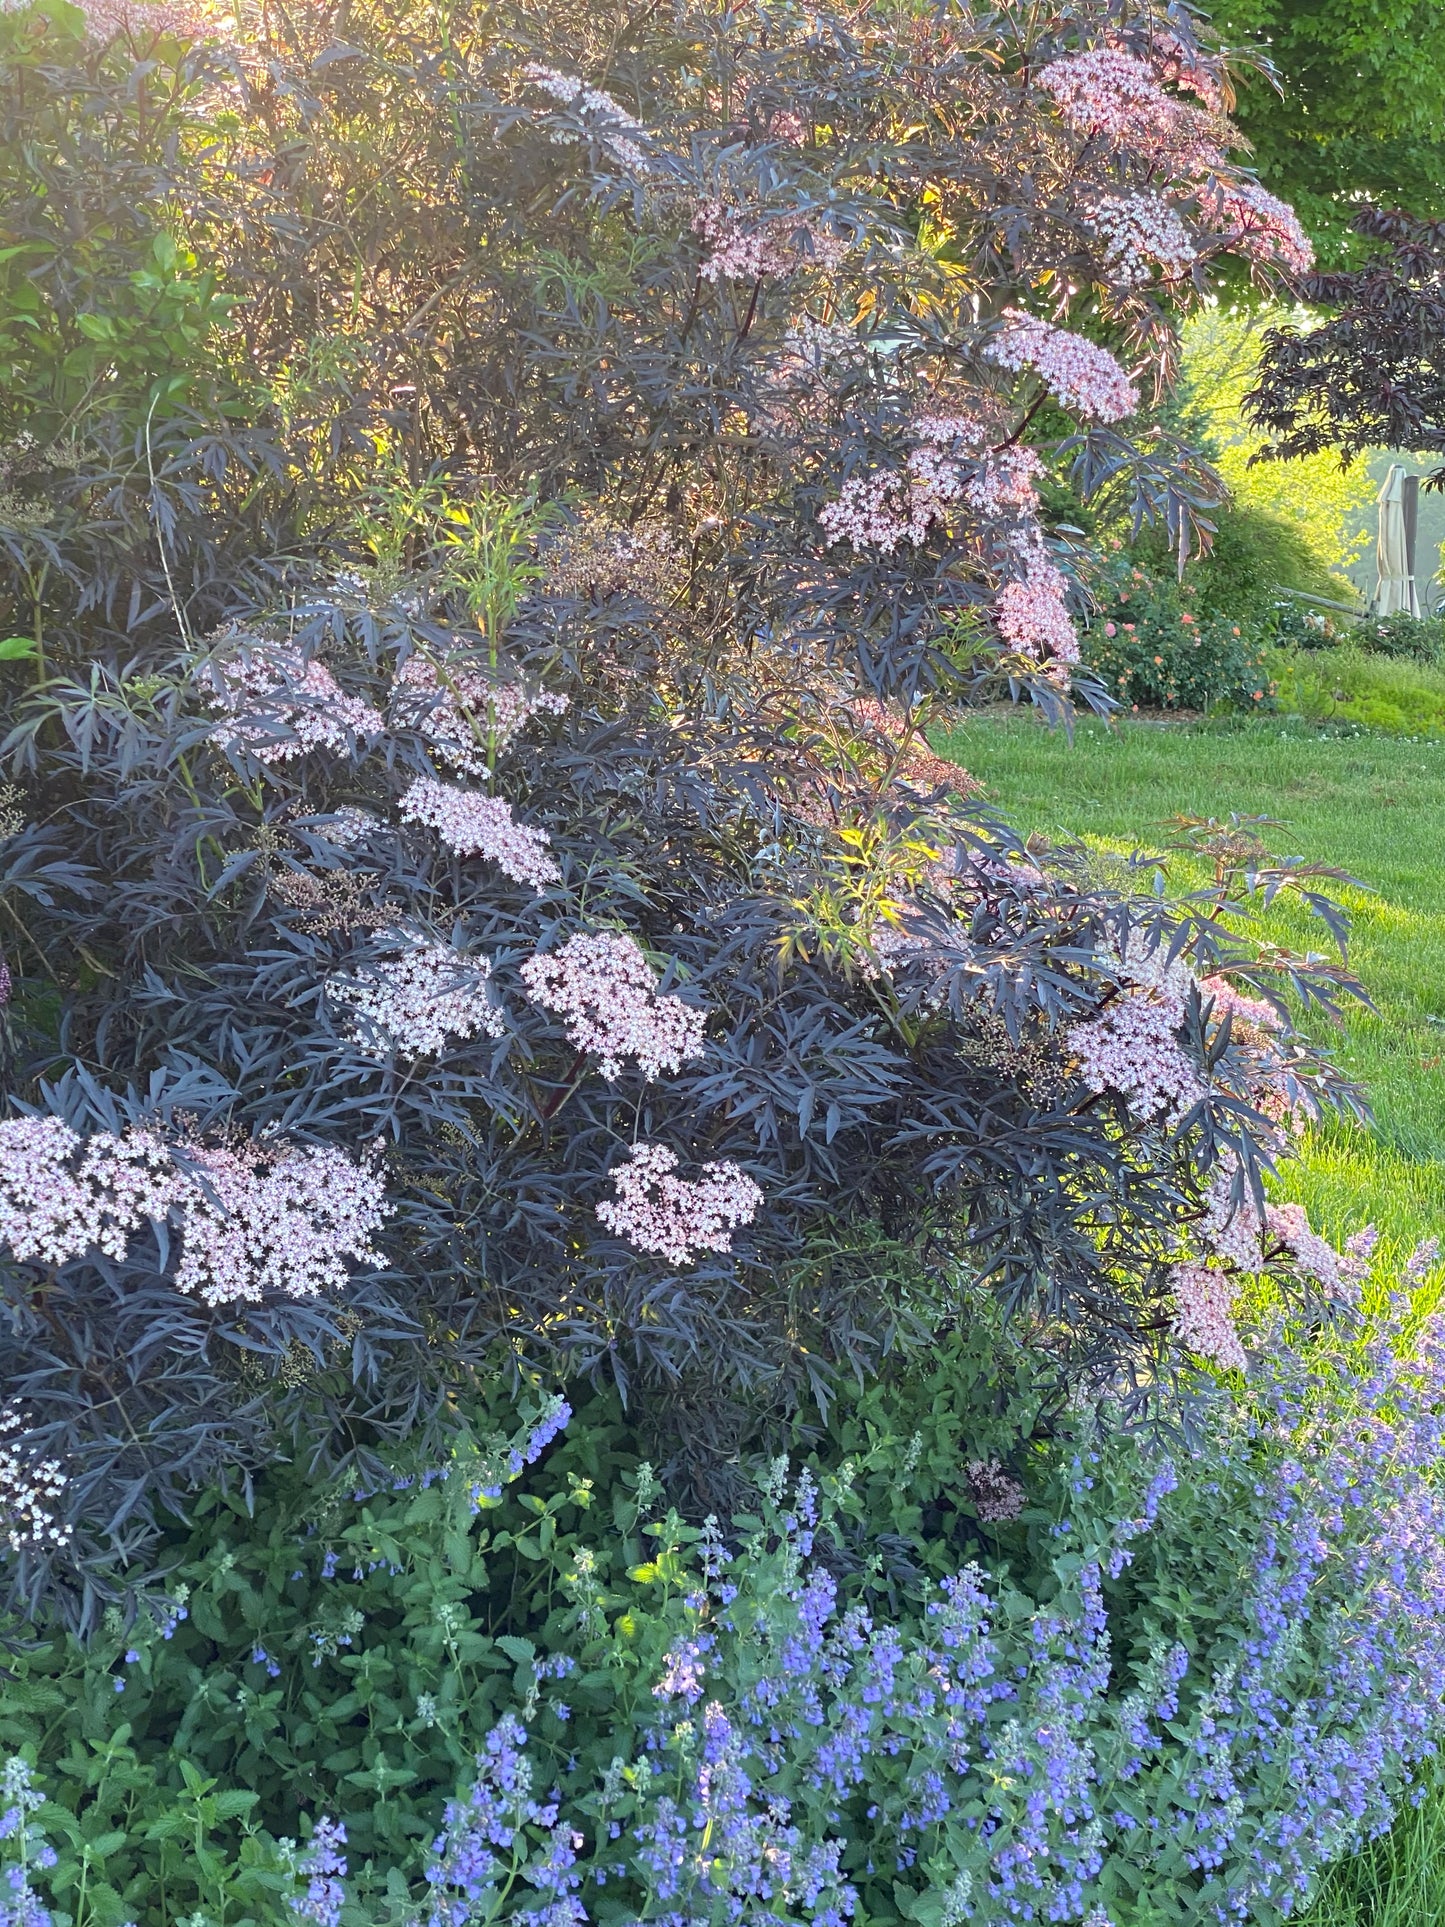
1133	1048
419	1001
1240	1234
744	246
467	717
104	19
947	464
285	1219
1231	1230
1316	1257
1084	377
997	1495
1204	1315
1141	232
1233	1003
1182	66
61	1195
874	512
476	825
1107	94
1005	482
1032	613
605	988
289	1220
278	706
678	1217
618	131
1257	223
29	1489
1102	91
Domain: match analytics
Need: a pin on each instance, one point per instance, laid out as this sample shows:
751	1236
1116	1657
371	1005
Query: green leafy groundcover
931	1677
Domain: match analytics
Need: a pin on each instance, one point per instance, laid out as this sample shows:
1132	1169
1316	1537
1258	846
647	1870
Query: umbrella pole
1410	507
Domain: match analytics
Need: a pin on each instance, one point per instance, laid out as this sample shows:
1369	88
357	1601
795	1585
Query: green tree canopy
1358	112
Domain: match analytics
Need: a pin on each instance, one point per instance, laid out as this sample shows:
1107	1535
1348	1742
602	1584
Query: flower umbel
421	1000
476	825
606	990
678	1217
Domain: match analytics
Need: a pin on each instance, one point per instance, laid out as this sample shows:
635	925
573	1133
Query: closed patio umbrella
1394	546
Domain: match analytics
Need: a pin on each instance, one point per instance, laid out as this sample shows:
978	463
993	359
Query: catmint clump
323	1867
24	1849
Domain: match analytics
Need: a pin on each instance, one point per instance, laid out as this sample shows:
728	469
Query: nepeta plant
891	1693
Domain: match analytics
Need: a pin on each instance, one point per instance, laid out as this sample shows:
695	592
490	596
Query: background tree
1356	107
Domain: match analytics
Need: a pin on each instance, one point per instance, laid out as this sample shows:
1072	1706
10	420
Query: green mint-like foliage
564	1696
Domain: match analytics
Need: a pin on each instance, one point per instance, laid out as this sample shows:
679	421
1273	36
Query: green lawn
1373	805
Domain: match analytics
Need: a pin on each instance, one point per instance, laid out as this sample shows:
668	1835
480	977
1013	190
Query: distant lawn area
1372	805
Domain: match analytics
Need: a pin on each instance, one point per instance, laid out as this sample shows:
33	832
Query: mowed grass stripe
1372	805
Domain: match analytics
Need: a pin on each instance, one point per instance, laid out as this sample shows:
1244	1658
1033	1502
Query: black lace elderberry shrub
487	899
1371	375
402	1024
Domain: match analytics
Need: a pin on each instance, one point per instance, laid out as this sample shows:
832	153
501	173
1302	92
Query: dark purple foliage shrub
1372	375
483	892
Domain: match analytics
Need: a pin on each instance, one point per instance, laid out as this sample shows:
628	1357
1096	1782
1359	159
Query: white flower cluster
605	988
287	1219
1141	232
947	464
1084	377
472	824
29	1490
421	1000
348	826
678	1217
277	705
616	131
466	716
820	342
